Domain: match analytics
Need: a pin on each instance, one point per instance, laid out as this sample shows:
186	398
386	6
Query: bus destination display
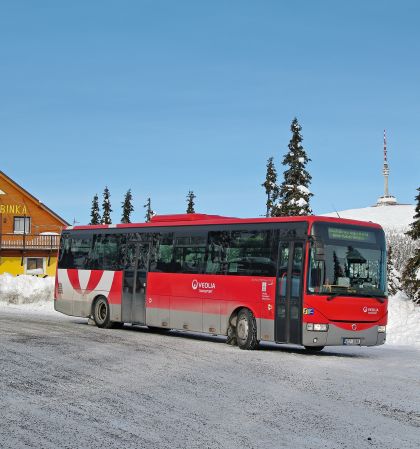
353	235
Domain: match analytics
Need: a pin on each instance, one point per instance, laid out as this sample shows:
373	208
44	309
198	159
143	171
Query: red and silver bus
312	281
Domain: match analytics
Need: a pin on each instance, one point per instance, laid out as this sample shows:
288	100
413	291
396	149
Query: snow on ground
64	384
397	217
28	294
403	321
25	289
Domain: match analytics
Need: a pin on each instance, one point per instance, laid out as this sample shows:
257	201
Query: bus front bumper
336	336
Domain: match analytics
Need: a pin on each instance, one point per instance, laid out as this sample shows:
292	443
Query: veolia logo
371	310
202	285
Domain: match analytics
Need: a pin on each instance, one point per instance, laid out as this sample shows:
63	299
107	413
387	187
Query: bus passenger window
218	243
65	256
190	253
297	270
163	253
252	253
80	251
106	250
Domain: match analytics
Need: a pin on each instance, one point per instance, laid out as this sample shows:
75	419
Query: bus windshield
347	260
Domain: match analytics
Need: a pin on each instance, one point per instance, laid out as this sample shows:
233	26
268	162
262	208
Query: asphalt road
65	384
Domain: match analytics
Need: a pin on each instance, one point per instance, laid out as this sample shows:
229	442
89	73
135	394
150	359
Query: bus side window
106	252
283	267
252	253
65	257
163	246
218	245
80	251
297	269
190	253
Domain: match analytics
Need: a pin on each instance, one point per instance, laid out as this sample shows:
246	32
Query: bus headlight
381	329
317	327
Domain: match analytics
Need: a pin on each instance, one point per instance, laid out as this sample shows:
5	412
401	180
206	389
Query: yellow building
29	232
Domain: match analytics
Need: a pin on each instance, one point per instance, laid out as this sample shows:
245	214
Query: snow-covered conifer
411	273
127	207
95	217
271	188
106	207
190	202
294	194
149	212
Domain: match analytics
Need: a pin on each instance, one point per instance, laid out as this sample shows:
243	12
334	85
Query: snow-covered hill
397	217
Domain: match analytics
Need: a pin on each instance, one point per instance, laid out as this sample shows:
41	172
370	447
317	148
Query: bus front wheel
101	313
246	330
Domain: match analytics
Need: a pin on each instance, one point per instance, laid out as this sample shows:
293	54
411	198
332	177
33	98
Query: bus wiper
381	299
378	298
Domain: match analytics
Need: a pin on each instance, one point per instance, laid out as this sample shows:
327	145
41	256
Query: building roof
35	200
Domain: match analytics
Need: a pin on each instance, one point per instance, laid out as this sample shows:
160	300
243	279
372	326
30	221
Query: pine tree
95	217
190	202
411	273
271	188
127	207
106	207
294	194
149	212
414	231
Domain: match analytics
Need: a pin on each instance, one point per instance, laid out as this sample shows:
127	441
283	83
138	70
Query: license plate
351	341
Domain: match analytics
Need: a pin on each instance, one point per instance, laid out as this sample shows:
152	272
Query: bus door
288	323
134	282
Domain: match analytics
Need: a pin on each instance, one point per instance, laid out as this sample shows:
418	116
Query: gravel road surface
66	384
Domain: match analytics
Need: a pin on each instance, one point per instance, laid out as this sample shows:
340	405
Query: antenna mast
386	199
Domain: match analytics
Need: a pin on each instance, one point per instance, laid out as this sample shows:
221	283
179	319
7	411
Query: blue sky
166	96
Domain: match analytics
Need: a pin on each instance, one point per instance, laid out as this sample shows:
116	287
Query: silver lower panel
336	335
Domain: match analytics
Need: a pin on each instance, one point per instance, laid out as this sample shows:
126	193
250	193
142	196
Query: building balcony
27	242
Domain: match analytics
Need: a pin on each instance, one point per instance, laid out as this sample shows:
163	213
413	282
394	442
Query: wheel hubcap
243	329
102	311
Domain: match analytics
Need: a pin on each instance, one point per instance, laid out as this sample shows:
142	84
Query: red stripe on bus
115	293
94	279
74	280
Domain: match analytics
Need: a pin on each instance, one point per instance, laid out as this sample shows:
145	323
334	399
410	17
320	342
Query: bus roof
204	219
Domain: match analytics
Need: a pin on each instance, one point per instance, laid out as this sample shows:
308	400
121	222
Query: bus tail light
317	327
381	329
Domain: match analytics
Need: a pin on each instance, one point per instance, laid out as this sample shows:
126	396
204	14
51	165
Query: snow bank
403	321
25	289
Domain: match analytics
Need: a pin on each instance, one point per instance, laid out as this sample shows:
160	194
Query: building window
22	225
35	265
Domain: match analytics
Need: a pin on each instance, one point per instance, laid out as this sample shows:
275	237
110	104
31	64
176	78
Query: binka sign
203	287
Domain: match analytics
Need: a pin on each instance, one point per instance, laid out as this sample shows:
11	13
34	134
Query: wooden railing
29	242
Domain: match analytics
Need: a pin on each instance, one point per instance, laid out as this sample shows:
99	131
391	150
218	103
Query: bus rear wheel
246	330
101	313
